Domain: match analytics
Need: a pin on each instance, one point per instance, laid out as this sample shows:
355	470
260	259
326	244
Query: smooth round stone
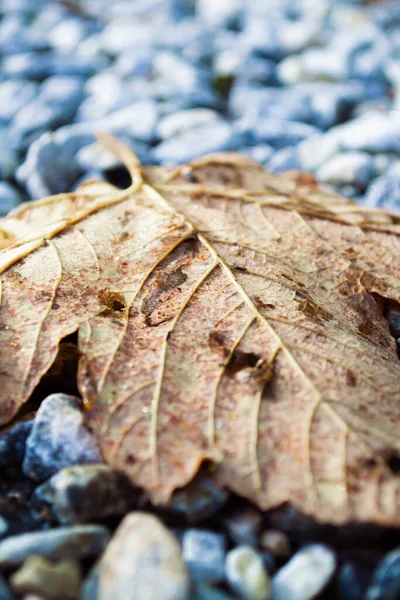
185	120
204	553
305	575
385	583
57	544
67	34
215	137
373	132
246	575
9	199
58	438
284	160
86	493
48	168
347	168
145	557
14	95
276	542
384	192
279	134
40	576
224	13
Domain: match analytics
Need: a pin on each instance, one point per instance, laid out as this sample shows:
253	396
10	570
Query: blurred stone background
308	84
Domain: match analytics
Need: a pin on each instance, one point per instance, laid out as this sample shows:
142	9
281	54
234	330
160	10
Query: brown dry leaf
224	313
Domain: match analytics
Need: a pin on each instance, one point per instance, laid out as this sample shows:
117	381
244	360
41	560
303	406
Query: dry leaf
224	313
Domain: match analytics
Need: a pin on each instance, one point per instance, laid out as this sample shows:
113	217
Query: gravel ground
297	84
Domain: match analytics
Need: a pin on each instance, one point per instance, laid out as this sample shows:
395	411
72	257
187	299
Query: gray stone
274	103
185	120
145	557
12	443
9	199
40	576
372	132
305	575
200	499
67	34
138	121
385	583
58	438
243	525
5	592
39	66
315	64
49	168
279	134
284	160
14	95
86	493
384	192
246	575
215	137
317	150
57	544
136	63
204	553
347	168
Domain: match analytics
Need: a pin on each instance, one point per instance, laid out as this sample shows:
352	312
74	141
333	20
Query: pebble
14	95
40	576
5	592
143	556
215	137
347	168
48	168
276	542
63	543
374	133
185	120
87	493
200	499
204	553
279	134
305	575
385	583
244	525
246	575
9	199
384	192
58	438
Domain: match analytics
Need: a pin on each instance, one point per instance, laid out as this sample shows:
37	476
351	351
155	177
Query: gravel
294	85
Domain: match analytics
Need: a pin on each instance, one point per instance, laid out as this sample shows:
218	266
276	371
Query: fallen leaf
224	314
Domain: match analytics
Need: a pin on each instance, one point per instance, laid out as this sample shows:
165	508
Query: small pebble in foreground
145	557
305	575
246	575
40	576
